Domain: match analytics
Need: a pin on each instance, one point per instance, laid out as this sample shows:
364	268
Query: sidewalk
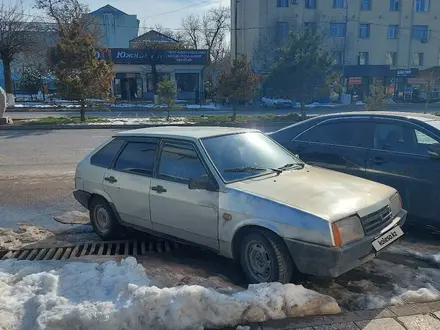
423	316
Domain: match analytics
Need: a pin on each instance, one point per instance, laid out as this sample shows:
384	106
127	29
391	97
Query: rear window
105	155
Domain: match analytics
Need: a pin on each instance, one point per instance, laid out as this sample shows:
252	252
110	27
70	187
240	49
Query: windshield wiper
252	169
296	166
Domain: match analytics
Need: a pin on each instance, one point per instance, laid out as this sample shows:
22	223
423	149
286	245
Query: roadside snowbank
26	234
62	295
433	258
135	121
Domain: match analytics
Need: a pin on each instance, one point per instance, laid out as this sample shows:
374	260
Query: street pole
235	28
344	84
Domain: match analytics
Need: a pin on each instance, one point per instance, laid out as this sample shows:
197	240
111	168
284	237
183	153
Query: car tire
261	249
103	219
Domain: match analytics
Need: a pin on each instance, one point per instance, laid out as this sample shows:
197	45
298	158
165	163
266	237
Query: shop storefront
134	72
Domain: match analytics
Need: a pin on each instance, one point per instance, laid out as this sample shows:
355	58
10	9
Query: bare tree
175	34
208	32
71	18
15	37
432	81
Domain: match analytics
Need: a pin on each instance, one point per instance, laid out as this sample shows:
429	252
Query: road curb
135	126
347	317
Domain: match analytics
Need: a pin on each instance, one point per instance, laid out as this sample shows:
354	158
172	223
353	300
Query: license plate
387	238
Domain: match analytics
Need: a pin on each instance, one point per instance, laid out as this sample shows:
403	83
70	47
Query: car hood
328	194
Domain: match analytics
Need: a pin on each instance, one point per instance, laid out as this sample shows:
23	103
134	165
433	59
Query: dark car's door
337	144
399	158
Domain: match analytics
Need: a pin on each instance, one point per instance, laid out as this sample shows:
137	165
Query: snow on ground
73	218
44	105
136	121
433	258
62	295
26	234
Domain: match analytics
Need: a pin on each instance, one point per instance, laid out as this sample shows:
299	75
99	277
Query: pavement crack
401	323
434	316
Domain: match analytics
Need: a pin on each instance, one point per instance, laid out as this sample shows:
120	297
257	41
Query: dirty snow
433	258
136	121
73	218
26	234
63	295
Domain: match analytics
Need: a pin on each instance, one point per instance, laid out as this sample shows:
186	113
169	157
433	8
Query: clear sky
168	13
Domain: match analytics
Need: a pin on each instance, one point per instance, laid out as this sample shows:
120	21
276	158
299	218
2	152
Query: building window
338	3
420	32
391	58
364	31
282	30
338	58
393	31
310	4
418	59
366	4
421	5
312	26
187	82
394	5
363	58
337	30
282	3
150	80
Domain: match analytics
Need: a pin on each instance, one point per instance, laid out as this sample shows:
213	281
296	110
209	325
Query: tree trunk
9	84
83	111
155	80
303	110
428	99
168	113
234	111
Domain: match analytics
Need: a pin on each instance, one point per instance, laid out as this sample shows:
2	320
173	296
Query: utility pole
344	60
236	28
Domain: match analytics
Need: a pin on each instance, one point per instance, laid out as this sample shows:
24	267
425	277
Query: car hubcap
102	219
259	261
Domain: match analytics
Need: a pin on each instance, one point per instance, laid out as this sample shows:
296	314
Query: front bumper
326	261
82	197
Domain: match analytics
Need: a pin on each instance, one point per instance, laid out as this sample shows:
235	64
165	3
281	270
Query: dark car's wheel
103	219
264	258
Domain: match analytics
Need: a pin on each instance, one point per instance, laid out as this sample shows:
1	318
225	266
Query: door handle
110	179
378	160
159	189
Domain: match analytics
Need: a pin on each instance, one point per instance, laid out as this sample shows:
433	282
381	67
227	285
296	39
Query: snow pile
73	218
26	234
433	258
62	295
322	105
136	121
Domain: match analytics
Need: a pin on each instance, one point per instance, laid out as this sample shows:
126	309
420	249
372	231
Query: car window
180	162
137	158
105	155
403	138
344	133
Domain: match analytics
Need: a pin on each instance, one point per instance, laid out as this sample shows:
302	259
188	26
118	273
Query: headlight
347	230
395	204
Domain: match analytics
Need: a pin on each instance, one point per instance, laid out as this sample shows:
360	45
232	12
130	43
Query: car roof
389	114
188	132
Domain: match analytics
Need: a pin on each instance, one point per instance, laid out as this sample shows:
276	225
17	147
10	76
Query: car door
127	182
175	209
336	144
399	158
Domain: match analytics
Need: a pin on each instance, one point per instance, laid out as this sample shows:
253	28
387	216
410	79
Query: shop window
187	82
150	80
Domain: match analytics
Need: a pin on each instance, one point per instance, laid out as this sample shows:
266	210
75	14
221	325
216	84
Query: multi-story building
368	37
115	27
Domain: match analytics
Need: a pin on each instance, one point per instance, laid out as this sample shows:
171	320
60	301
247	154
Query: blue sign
148	56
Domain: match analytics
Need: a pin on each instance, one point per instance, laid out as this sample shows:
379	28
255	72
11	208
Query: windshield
242	156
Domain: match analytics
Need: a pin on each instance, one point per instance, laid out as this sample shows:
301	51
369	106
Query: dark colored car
401	150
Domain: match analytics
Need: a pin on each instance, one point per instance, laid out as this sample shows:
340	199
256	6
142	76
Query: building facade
115	27
398	33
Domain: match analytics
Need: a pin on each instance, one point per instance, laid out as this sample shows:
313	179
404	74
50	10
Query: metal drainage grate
117	248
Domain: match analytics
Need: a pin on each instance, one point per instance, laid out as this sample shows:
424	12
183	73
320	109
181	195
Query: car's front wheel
264	258
103	219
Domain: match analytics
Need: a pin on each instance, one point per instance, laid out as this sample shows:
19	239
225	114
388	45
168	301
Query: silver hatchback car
241	194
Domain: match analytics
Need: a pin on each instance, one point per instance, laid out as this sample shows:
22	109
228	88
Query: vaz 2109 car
239	193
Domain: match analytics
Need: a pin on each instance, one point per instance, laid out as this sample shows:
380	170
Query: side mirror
434	150
204	183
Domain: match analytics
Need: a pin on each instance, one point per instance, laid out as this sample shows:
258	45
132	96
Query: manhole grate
117	248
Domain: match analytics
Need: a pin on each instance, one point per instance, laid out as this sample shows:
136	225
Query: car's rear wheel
264	258
103	219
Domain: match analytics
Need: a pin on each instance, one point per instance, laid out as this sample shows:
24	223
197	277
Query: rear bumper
82	197
331	262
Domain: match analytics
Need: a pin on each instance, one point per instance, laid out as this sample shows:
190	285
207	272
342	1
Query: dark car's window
399	137
137	158
345	133
104	156
179	163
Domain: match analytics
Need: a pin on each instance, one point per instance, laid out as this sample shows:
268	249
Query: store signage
355	80
147	56
406	72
